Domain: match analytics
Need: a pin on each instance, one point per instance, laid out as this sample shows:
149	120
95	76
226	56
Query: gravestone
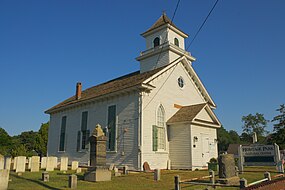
4	179
63	164
74	165
98	170
227	170
50	163
35	164
44	163
72	181
7	165
21	164
45	176
15	162
1	162
146	167
29	162
55	162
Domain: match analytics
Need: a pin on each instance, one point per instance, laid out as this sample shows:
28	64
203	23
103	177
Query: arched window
176	42
156	42
159	130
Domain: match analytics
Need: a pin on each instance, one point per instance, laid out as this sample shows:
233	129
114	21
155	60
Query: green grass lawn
59	180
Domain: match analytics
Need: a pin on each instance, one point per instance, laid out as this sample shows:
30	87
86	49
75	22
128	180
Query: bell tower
164	44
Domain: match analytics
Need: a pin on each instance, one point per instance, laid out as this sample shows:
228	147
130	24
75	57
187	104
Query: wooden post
267	175
212	177
242	183
176	183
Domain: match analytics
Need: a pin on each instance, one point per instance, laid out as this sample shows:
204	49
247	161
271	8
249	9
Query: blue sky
48	46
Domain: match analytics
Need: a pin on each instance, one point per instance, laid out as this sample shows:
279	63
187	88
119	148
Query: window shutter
87	139
78	140
154	138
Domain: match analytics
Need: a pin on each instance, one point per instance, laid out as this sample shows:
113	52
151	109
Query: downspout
140	132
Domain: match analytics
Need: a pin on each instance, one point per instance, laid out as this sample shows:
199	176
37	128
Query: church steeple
164	44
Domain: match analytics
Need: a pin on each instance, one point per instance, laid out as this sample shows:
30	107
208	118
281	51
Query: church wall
180	146
166	92
172	35
127	130
205	145
149	39
150	62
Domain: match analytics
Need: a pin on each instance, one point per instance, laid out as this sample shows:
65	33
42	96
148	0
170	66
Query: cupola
164	44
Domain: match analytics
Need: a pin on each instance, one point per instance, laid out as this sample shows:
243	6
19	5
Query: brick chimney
78	91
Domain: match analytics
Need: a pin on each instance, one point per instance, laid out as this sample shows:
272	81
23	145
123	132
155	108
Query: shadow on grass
35	181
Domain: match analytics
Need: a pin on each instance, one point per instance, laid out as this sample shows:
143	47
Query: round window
181	82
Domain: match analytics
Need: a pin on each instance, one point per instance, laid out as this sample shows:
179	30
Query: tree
225	138
278	136
5	142
255	123
42	139
234	137
280	118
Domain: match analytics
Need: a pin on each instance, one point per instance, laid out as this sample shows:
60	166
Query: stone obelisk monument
98	170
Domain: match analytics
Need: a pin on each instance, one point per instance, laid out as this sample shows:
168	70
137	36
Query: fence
243	182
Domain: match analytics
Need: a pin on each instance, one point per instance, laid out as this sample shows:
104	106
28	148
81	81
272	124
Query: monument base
98	174
230	181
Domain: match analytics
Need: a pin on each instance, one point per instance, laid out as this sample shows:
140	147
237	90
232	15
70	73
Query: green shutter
112	127
62	134
84	121
154	138
78	140
87	139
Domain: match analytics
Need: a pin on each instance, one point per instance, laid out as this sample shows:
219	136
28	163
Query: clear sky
47	46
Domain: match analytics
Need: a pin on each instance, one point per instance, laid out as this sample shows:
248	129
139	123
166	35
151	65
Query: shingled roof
186	113
121	83
163	19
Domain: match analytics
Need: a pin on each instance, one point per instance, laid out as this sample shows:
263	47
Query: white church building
161	114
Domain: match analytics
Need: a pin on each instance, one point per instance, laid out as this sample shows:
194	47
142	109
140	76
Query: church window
156	42
111	134
159	130
84	132
181	82
62	134
176	42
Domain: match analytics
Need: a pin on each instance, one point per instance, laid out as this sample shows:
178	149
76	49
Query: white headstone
50	164
21	164
15	162
4	178
7	165
55	162
35	164
29	163
44	163
74	165
1	162
63	163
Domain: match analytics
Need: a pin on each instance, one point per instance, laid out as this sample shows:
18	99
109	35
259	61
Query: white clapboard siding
127	118
180	146
203	132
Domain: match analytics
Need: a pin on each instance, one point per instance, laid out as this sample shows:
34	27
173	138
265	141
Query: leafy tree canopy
254	123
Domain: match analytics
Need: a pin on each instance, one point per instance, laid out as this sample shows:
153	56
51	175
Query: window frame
159	131
156	42
176	42
179	80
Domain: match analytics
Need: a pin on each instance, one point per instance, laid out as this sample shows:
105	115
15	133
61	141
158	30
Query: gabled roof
186	113
163	20
121	83
193	75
